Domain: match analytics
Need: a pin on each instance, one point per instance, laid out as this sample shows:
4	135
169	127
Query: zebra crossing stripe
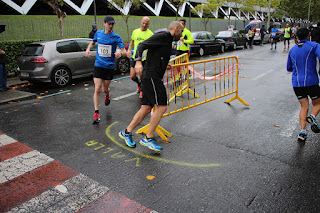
34	182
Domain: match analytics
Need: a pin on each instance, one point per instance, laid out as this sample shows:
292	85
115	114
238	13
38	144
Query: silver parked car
60	61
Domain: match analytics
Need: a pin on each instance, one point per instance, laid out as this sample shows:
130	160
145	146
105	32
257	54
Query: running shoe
314	123
127	138
140	95
271	48
96	118
107	99
288	48
275	47
302	136
150	143
138	89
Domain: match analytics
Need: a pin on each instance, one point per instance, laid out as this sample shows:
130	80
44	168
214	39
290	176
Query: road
222	158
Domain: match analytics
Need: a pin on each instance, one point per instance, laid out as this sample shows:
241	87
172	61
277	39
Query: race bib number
104	50
273	34
180	43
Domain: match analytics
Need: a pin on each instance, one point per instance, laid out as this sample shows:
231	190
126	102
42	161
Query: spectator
251	36
93	31
3	72
315	33
262	33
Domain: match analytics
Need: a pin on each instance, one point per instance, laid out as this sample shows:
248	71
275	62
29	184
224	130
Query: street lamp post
269	14
309	11
95	11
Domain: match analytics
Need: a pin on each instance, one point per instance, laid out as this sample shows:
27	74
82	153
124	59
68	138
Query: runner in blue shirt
302	62
105	62
274	37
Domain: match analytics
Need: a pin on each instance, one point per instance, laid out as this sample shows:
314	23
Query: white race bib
273	34
104	50
180	43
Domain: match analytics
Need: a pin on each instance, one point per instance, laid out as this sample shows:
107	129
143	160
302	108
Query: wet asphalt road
222	158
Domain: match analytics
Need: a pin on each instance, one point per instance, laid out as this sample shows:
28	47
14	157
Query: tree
206	11
133	5
56	6
299	9
177	4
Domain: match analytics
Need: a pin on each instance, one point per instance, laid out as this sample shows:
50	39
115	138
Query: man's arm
189	39
89	47
289	64
152	42
131	45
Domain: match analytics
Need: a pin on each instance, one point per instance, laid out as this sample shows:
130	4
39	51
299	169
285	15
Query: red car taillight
228	39
38	60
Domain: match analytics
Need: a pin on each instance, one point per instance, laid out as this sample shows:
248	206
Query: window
83	44
67	47
203	36
210	36
33	50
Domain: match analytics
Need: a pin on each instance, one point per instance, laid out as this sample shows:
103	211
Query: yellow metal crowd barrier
191	84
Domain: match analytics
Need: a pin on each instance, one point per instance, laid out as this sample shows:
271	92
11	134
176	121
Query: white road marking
292	124
5	140
263	74
81	191
21	164
124	96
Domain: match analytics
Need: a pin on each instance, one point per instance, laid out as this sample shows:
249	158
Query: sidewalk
14	95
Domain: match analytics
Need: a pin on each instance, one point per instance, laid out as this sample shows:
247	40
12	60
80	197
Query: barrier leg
237	97
160	130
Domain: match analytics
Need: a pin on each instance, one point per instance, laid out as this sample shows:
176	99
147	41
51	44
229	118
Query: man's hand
118	54
2	52
129	54
181	39
138	68
88	53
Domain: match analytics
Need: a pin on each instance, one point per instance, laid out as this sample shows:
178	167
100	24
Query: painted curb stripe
5	140
32	184
81	191
115	202
21	164
13	150
54	94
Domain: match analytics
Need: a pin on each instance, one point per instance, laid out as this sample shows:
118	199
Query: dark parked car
205	43
60	61
233	39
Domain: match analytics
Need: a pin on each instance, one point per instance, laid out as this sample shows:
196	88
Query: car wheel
201	51
234	46
61	76
123	65
246	44
222	49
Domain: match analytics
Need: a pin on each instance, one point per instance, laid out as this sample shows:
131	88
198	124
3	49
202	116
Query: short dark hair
185	21
303	33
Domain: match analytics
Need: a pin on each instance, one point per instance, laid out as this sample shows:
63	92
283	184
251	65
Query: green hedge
13	50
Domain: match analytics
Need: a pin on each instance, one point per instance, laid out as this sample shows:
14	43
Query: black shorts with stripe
154	92
103	73
303	92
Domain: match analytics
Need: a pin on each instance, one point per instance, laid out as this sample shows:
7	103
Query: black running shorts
103	73
303	92
154	92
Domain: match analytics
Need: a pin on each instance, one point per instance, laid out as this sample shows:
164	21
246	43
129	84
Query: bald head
145	22
175	28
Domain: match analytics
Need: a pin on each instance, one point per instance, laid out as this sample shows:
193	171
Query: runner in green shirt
287	36
185	40
139	35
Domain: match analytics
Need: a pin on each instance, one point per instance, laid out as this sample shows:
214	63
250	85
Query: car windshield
33	50
224	34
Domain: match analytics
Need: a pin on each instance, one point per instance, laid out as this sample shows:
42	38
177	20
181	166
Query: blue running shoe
314	123
302	136
127	138
150	143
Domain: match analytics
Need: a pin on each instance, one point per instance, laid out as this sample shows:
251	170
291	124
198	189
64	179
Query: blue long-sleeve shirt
302	62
